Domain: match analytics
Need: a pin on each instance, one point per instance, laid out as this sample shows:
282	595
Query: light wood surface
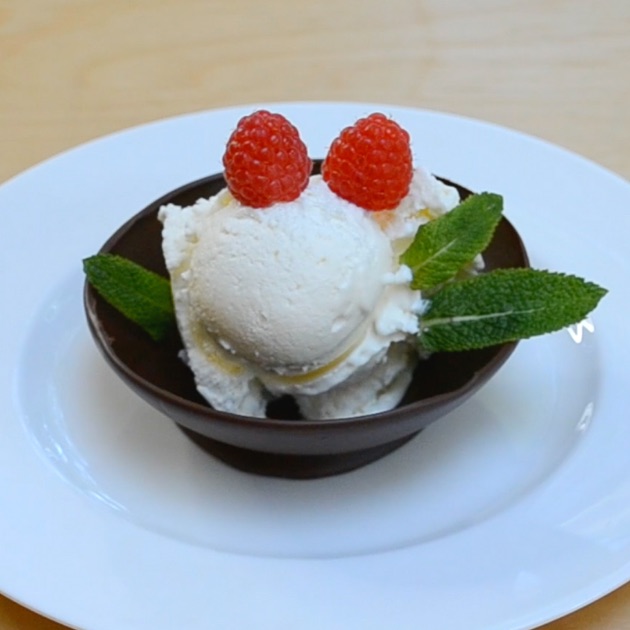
73	70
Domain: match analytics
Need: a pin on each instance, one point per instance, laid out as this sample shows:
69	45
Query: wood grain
73	70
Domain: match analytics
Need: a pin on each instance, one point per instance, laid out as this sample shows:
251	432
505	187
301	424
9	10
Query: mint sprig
492	308
445	245
141	295
504	305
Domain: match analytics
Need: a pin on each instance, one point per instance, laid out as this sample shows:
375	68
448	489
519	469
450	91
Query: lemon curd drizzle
222	359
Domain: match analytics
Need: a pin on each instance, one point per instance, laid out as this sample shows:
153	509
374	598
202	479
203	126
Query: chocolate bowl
283	444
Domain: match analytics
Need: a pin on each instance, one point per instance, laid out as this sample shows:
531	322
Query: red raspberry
265	160
370	164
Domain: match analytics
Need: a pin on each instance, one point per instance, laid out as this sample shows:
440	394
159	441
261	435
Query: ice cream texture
305	298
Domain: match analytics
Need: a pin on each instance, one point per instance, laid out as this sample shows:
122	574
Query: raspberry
370	164
265	160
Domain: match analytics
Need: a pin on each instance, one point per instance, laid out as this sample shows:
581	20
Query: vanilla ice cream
305	298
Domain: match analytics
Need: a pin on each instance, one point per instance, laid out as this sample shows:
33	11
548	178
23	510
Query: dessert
331	287
306	296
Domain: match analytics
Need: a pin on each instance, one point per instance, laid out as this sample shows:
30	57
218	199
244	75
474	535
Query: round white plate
508	513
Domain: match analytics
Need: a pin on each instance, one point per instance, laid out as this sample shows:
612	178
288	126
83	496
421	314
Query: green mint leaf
442	247
505	305
141	295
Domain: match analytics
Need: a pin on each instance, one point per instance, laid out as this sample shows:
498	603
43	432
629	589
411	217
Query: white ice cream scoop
289	288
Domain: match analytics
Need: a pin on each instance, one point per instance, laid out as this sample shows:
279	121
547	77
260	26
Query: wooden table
73	70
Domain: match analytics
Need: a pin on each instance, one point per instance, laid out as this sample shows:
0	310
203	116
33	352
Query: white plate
510	512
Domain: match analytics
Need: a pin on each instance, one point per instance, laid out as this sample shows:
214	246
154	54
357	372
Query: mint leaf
505	305
141	295
442	247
